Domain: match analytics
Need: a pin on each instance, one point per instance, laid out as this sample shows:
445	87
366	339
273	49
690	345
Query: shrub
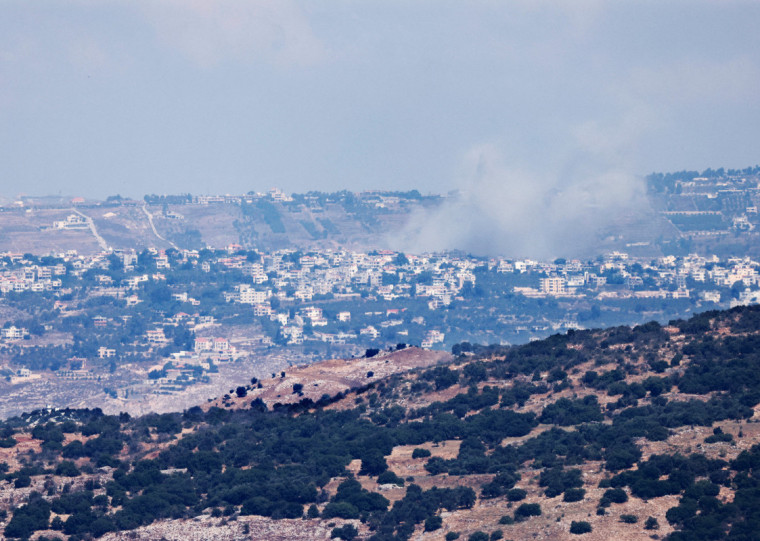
573	495
629	519
615	495
28	518
478	536
420	453
527	510
340	510
22	481
389	478
67	469
516	494
347	532
579	528
506	520
651	524
433	523
451	536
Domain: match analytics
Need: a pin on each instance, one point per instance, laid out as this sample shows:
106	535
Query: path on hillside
153	227
101	241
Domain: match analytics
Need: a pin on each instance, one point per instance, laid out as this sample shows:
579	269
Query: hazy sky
101	97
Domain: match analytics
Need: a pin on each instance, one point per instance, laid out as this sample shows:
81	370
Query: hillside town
170	318
135	305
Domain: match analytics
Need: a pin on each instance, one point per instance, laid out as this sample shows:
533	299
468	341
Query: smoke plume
498	210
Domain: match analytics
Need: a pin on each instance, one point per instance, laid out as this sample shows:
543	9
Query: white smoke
499	210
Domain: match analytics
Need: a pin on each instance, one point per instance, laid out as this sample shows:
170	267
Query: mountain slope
622	433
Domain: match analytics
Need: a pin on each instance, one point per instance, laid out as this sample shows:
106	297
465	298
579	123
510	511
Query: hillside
624	433
311	221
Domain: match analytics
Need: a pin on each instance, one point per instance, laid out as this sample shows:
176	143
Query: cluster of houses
294	289
319	296
667	277
37	278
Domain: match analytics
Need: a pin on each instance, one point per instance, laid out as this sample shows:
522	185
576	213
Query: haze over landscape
380	271
100	98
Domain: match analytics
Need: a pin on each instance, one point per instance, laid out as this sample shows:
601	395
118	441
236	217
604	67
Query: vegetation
277	463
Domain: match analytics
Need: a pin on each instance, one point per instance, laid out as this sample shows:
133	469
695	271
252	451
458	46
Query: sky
517	99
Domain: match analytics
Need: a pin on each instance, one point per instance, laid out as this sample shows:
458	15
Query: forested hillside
625	433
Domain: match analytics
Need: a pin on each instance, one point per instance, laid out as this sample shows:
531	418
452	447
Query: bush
442	376
67	469
573	495
629	519
506	520
615	495
7	443
527	510
420	453
478	536
451	536
28	518
22	481
347	532
340	510
389	478
579	528
516	494
651	524
433	523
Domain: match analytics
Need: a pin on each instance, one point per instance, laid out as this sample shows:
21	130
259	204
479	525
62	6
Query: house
680	294
432	337
304	294
294	334
73	221
203	344
248	295
162	262
14	333
553	286
262	310
370	331
155	336
105	353
221	345
711	296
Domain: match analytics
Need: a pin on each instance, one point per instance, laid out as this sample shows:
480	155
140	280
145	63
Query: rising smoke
515	213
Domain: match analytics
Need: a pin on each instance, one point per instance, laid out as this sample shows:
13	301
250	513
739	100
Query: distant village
139	321
168	314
